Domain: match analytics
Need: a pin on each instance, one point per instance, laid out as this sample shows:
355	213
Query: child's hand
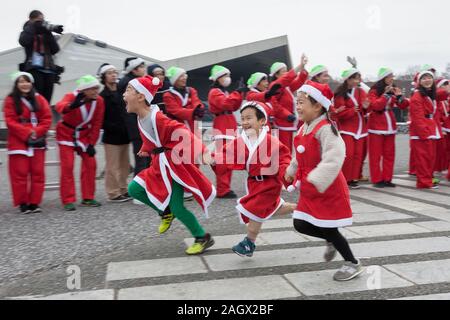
143	154
366	104
208	159
304	62
288	178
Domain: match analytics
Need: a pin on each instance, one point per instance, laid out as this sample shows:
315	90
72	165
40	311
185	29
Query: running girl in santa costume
286	120
174	151
424	129
82	114
382	126
265	159
349	110
28	119
324	204
222	104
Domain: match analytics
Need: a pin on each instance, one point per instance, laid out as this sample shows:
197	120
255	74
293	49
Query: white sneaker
137	202
348	271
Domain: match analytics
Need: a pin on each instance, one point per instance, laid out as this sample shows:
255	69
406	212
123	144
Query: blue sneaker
244	248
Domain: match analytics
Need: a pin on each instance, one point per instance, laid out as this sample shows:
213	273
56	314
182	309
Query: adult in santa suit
82	114
350	107
424	130
265	159
443	122
286	119
383	96
182	102
222	104
28	118
174	151
324	203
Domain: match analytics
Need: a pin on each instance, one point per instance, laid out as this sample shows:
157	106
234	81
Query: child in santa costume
265	159
222	104
424	129
182	102
324	204
349	110
82	114
443	121
28	118
174	151
286	120
382	125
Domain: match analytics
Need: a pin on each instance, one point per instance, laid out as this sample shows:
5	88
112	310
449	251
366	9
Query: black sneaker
34	208
229	195
354	185
119	199
25	209
389	184
379	185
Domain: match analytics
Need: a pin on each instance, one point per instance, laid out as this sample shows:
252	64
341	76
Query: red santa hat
147	86
419	75
320	92
441	81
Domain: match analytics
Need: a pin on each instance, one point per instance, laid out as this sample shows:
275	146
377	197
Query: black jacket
130	118
27	38
115	130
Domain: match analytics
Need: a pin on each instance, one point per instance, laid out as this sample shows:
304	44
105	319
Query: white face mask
226	82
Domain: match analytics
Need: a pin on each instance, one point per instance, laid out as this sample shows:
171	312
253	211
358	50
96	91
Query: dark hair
35	13
324	111
16	95
342	90
259	114
432	93
380	86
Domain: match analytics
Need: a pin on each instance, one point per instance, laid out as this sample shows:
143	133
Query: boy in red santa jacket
82	114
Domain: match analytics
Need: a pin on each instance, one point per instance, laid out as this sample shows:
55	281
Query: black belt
72	127
429	116
259	178
223	113
382	111
159	150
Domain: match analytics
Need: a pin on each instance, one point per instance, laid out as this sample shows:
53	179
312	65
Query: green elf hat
427	67
384	72
17	75
217	72
346	74
277	66
255	79
87	82
317	70
174	73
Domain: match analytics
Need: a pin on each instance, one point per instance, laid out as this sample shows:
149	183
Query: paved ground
402	236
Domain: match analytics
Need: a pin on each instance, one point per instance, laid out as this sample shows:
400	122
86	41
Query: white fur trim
141	89
240	208
317	95
133	64
301	149
104	69
86	86
17	75
281	66
177	75
257	106
220	74
322	223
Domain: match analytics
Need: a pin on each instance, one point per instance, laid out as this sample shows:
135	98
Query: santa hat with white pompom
147	85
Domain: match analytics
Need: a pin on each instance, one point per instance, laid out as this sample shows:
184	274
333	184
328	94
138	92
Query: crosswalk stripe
253	288
299	256
154	268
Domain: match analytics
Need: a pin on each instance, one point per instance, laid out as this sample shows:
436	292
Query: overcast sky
390	33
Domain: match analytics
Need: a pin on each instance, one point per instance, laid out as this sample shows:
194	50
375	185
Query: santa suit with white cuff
78	131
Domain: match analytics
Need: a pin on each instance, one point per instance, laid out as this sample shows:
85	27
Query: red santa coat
222	104
381	118
330	209
79	127
445	107
350	121
266	162
286	100
20	127
182	108
177	163
424	118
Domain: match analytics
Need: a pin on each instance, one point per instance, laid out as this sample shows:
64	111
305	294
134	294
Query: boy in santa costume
28	119
222	104
182	102
265	159
424	129
382	125
175	152
286	120
349	110
324	204
82	114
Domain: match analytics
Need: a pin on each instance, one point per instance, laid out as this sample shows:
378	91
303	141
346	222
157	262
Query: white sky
390	33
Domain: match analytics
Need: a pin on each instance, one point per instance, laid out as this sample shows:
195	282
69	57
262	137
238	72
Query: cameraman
40	46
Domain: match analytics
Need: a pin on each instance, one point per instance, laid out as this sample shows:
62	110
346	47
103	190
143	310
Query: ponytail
333	127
